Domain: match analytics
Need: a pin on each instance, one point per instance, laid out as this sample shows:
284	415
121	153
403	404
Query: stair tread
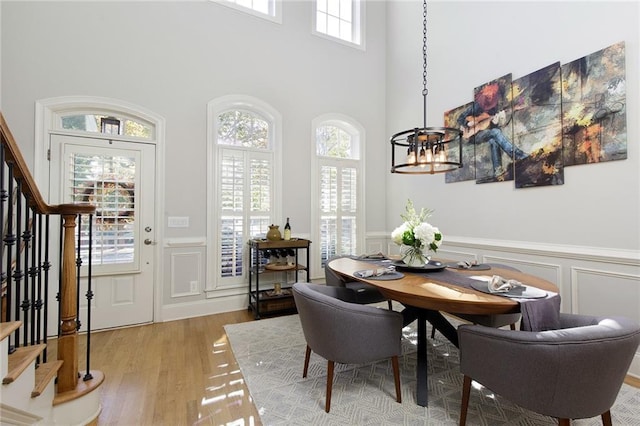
20	360
6	328
44	374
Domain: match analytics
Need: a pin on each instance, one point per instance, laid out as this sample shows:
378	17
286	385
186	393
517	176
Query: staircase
36	390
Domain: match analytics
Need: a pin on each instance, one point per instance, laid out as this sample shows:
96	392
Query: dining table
440	287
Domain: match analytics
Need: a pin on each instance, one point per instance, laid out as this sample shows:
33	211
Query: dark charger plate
432	266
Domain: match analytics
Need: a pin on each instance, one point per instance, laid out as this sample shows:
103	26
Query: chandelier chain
426	149
424	49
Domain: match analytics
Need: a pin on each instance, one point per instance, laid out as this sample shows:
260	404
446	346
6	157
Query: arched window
339	225
106	123
245	178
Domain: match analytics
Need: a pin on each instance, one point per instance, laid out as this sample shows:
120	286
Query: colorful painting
528	130
488	126
455	118
537	128
594	107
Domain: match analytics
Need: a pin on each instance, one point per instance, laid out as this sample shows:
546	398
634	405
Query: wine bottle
291	257
287	230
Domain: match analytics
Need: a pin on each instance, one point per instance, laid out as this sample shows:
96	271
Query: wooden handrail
30	189
68	337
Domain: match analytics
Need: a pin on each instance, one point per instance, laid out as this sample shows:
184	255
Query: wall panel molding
594	254
186	274
605	292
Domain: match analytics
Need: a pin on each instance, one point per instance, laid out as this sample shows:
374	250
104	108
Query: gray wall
470	43
173	57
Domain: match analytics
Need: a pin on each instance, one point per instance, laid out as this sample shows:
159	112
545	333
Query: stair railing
25	262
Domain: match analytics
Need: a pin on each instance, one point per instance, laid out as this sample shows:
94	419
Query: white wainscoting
591	281
185	293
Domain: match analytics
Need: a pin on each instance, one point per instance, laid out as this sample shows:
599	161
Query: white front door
118	177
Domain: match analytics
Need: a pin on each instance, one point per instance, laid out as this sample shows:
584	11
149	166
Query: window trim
214	107
276	5
357	130
358	28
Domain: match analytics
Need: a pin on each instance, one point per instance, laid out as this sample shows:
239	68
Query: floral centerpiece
416	236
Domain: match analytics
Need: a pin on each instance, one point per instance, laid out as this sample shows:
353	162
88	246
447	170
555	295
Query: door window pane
109	183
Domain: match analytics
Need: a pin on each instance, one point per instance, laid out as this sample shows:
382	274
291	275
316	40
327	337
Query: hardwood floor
174	373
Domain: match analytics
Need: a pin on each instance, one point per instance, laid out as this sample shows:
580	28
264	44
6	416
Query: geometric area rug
270	353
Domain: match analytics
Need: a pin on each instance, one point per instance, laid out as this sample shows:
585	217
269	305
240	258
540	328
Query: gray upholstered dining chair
573	372
362	293
346	333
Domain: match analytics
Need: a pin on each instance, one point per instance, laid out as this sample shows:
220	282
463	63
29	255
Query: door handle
149	242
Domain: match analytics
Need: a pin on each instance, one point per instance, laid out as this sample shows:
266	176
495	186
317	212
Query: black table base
441	324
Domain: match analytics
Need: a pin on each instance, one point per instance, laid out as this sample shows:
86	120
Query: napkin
374	256
464	264
500	285
377	272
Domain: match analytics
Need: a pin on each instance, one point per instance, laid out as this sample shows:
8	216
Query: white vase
413	256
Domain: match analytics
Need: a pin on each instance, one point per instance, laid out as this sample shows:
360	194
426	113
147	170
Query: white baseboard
204	307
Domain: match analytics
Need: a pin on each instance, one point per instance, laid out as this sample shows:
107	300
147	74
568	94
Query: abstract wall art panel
488	125
594	107
456	118
537	128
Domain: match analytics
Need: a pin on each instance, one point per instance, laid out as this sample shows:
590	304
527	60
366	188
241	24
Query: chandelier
426	150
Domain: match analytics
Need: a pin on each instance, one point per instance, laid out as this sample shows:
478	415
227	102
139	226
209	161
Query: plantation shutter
338	205
232	195
261	183
245	198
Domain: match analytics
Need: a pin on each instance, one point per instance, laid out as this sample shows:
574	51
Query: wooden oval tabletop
429	292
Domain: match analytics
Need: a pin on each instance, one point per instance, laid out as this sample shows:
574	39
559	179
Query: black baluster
3	199
9	241
78	267
46	265
88	375
17	272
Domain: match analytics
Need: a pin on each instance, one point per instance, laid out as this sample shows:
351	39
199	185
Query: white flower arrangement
416	234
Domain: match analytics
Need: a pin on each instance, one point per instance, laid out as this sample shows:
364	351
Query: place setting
467	265
506	287
387	273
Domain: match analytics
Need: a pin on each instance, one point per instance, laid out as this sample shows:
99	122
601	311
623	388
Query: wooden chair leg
390	305
433	331
564	422
466	391
606	418
396	377
307	355
327	404
513	326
